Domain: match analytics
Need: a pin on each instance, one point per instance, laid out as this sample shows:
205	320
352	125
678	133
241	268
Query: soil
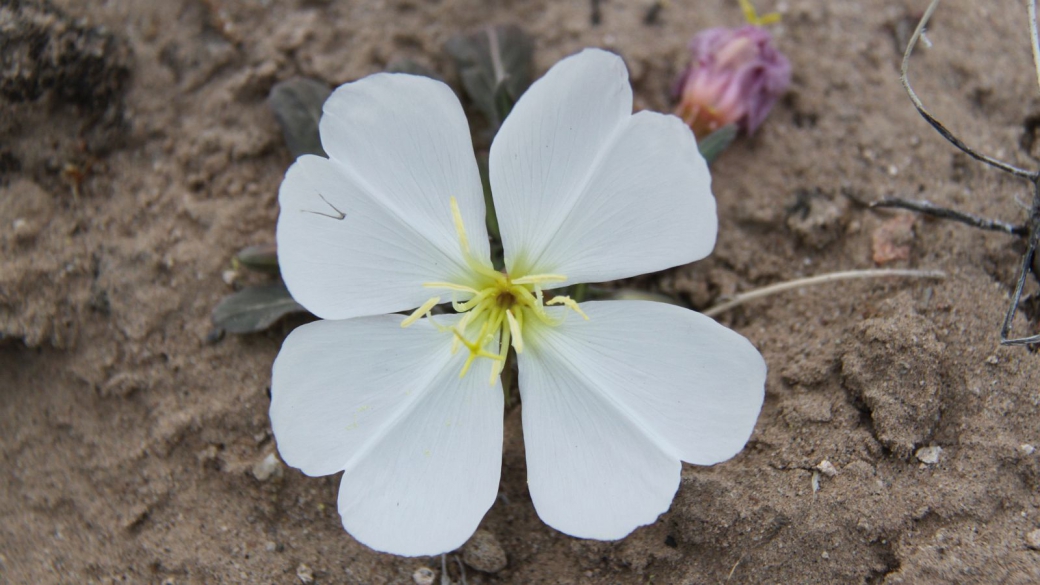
139	154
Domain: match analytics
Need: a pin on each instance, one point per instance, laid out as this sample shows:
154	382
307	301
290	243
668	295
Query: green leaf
716	142
254	308
579	292
296	104
489	202
494	65
261	258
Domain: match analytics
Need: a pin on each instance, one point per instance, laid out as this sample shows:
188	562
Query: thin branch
1032	176
929	208
813	280
1034	219
1023	271
1005	329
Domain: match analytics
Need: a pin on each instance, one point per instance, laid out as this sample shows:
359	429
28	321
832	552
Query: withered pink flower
735	76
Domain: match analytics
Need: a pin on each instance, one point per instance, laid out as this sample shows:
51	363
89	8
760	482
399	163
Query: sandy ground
129	440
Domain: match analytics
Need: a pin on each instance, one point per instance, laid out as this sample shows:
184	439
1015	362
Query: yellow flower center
495	308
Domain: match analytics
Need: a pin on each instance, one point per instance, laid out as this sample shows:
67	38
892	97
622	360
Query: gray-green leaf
296	104
262	258
254	308
495	68
716	142
490	217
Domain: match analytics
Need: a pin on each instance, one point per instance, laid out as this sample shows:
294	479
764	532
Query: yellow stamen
494	306
459	227
496	368
461	326
570	304
536	304
539	279
514	330
751	15
424	309
474	302
450	286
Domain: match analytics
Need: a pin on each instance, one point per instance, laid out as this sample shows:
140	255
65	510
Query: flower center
505	300
494	308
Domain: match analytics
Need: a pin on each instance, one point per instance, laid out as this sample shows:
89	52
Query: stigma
495	308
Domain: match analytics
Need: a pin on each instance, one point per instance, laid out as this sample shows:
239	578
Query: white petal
591	472
612	404
585	189
421	449
360	232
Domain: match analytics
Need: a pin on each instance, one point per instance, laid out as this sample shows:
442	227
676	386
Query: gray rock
484	553
424	576
1033	540
929	455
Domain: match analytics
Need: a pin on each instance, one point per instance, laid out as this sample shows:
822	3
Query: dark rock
42	49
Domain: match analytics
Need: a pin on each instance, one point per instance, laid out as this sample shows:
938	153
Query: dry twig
771	290
1031	229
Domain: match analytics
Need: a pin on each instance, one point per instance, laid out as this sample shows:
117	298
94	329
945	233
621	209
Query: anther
422	310
451	286
459	227
570	304
514	329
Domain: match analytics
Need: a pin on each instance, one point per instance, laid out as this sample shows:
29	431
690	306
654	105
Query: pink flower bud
735	76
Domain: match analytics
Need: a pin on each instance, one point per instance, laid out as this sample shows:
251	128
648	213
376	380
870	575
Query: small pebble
305	574
424	576
23	229
267	468
928	455
270	546
484	553
1033	540
827	468
892	240
1026	449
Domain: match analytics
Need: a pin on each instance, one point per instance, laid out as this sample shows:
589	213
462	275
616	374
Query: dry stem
814	280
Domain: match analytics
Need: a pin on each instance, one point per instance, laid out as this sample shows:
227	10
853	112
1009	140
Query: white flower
615	394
